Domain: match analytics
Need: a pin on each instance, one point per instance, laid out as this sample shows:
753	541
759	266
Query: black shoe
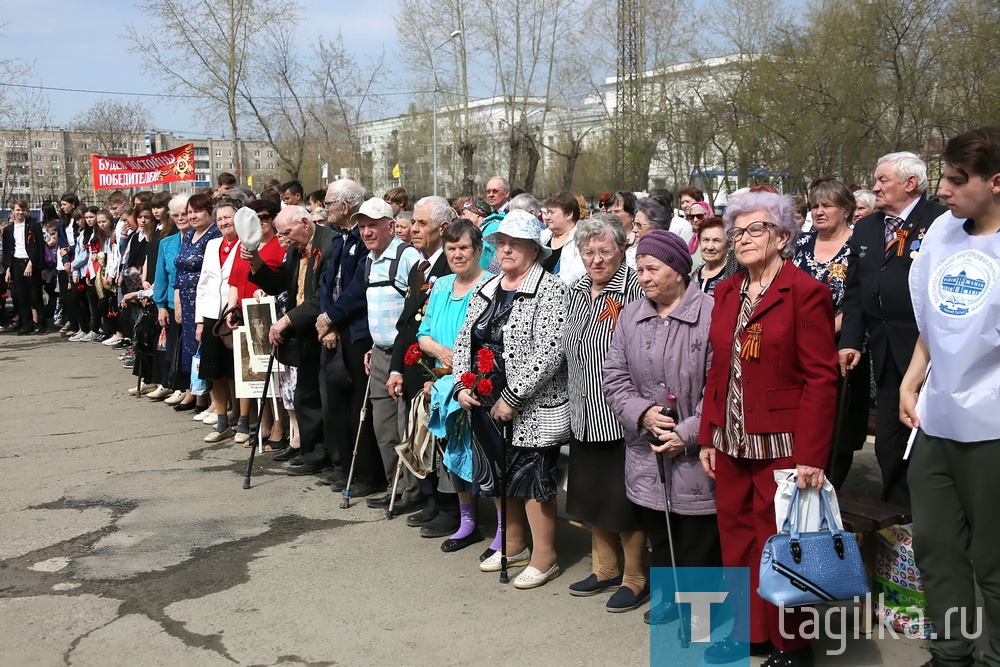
25	332
729	650
286	454
42	332
184	407
592	585
451	545
379	503
802	657
410	506
308	469
661	614
358	489
440	526
423	517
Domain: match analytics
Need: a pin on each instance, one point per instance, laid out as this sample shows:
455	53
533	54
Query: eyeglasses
695	216
607	254
640	225
330	202
754	229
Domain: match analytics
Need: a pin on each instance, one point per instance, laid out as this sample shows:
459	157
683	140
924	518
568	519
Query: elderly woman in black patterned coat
519	317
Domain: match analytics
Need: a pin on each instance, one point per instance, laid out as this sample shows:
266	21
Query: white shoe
111	341
215	436
159	393
532	577
90	337
242	437
200	416
145	389
492	564
98	338
211	419
174	398
78	336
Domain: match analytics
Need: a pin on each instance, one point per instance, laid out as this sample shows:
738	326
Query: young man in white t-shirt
955	288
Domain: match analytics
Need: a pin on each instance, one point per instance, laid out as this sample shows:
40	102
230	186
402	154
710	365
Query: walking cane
506	437
683	632
838	426
260	415
395	483
138	357
346	502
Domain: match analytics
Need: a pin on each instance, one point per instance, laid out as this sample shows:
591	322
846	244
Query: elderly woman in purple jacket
660	348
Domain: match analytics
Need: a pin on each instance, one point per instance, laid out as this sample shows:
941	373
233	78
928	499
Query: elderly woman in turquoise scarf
446	309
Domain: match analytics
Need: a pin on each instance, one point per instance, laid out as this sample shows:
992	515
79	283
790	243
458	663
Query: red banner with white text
109	173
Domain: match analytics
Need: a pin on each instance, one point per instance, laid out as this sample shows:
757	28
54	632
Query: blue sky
75	44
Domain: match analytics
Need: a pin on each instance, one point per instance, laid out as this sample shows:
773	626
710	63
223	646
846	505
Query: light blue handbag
799	569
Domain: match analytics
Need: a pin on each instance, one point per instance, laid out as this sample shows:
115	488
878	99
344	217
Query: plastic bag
809	506
199	387
896	584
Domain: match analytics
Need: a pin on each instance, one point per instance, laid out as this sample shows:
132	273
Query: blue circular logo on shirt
962	284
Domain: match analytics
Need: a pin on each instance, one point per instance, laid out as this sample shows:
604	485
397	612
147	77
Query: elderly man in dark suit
309	247
23	258
877	301
342	327
431	216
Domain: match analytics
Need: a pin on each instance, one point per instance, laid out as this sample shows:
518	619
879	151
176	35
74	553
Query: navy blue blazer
347	255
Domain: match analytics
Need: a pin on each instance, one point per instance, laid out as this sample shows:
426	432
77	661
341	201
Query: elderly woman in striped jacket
596	485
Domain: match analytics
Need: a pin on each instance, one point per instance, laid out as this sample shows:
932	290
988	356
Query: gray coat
649	358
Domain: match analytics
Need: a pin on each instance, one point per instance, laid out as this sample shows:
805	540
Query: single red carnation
415	350
484	388
468	379
485	355
484	366
410	359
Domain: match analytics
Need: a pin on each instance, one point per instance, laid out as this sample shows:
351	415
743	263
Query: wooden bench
867	516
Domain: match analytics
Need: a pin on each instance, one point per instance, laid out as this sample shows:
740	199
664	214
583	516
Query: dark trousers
308	404
891	434
744	491
854	428
28	290
696	538
956	544
343	404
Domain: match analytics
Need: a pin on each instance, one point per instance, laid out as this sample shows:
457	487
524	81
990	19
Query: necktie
892	225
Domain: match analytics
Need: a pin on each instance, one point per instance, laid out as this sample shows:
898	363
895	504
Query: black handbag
799	569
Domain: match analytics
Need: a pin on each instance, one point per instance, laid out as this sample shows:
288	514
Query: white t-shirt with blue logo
956	299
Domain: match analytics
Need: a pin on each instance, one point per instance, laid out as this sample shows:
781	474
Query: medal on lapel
751	346
864	251
837	271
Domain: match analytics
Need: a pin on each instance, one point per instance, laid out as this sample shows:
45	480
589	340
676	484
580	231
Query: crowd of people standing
630	335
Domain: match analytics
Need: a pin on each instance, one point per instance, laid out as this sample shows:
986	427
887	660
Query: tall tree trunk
467	151
531	148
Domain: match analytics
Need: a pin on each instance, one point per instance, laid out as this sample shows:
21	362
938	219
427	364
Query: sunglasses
265	216
695	216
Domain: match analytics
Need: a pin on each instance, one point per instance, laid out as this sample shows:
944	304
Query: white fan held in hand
248	228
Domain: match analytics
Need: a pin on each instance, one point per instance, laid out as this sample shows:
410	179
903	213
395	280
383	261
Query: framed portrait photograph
258	316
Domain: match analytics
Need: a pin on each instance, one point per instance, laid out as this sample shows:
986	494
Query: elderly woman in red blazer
769	404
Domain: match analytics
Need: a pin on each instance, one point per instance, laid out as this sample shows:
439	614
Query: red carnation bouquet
415	357
479	381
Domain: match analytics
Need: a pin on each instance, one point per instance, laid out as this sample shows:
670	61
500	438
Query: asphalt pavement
129	541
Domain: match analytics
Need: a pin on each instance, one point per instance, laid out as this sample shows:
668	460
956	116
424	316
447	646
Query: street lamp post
434	110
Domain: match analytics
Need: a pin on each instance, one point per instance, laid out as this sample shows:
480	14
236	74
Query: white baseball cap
374	208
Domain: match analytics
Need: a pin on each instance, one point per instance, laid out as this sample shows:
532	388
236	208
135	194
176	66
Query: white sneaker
113	340
174	398
211	419
78	336
91	337
199	416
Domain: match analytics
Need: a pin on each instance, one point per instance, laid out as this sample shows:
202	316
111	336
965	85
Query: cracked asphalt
128	541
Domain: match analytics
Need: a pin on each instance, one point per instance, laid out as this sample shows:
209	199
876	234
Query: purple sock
468	514
496	543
